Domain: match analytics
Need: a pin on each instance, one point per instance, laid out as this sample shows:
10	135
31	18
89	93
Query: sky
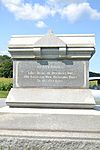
25	17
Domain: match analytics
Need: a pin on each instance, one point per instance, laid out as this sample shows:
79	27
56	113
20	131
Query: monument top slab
78	46
50	40
71	40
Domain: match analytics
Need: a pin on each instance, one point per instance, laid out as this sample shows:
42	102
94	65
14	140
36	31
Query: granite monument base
49	129
50	98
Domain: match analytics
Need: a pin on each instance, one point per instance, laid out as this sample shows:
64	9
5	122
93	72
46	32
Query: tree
6	67
93	74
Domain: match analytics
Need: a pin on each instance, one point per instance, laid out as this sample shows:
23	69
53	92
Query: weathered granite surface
53	66
50	98
51	73
17	143
49	129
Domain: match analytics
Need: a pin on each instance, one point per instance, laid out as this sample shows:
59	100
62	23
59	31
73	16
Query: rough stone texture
49	129
16	143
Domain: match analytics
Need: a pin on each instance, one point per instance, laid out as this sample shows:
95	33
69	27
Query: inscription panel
50	73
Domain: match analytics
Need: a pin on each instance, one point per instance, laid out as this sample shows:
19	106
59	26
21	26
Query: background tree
6	66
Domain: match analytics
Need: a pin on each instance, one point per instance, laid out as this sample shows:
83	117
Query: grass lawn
5	85
6	80
3	94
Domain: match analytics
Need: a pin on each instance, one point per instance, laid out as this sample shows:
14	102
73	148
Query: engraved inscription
50	74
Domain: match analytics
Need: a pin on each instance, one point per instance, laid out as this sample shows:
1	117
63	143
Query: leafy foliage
6	67
93	74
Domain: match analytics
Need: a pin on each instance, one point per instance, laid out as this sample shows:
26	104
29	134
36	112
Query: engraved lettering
53	74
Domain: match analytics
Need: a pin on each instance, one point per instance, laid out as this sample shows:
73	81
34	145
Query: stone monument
50	106
51	71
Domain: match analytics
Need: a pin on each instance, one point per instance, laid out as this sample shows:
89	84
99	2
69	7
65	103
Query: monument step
50	98
50	123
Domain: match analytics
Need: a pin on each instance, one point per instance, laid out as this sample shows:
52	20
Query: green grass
5	86
93	83
3	94
6	80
